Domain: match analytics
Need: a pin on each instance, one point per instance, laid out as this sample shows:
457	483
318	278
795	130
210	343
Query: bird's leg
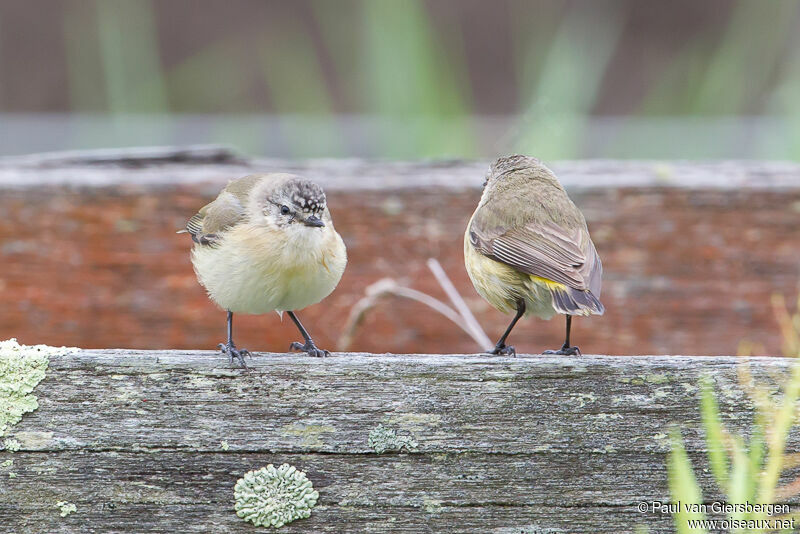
566	350
501	347
229	348
309	346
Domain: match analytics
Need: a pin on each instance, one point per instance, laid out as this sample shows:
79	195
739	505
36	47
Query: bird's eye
285	210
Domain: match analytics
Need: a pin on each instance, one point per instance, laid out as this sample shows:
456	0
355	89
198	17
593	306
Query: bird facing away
527	248
267	243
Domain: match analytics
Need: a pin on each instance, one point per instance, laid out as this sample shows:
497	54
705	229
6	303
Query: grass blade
683	486
709	411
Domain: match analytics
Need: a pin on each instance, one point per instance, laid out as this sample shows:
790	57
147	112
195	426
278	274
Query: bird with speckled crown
527	249
267	243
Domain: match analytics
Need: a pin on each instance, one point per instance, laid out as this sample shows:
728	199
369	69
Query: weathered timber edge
170	166
526	444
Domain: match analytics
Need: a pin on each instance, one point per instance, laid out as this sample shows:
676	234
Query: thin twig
473	327
388	286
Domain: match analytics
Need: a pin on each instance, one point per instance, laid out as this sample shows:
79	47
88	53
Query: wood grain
169	166
506	445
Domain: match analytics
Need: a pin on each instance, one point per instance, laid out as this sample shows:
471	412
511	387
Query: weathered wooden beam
170	166
526	444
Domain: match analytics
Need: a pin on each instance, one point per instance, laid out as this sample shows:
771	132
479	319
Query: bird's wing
227	210
544	249
593	269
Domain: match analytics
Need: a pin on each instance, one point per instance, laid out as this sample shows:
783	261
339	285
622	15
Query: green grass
130	57
745	469
559	104
404	64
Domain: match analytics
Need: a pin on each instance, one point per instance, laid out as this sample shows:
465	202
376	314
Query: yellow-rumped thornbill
267	243
527	248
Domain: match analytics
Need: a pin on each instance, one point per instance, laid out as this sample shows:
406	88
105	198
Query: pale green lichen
66	508
224	445
11	445
658	378
632	381
274	496
22	367
7	463
661	393
309	434
584	398
416	419
432	506
689	388
33	439
12	475
382	439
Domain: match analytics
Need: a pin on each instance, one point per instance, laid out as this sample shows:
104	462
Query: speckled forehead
307	196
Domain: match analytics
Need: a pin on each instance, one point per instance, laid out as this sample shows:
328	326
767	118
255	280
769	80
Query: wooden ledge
203	164
154	441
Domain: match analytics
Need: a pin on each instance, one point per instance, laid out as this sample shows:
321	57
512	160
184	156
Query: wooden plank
169	166
526	444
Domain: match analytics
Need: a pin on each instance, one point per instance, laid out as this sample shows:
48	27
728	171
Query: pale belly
253	272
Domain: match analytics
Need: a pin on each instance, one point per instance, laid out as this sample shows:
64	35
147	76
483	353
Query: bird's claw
232	352
565	351
310	349
503	350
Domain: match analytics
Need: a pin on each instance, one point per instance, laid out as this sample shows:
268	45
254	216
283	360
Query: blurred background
405	78
696	255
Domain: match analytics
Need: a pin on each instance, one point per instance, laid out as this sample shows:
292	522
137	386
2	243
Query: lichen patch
22	367
34	440
432	506
584	398
273	496
415	419
310	434
382	439
66	508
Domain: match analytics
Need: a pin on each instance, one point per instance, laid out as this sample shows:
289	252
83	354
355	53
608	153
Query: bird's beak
314	221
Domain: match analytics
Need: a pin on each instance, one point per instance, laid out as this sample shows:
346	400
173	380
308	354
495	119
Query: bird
267	243
527	249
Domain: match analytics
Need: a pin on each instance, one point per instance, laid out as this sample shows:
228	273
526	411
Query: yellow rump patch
549	284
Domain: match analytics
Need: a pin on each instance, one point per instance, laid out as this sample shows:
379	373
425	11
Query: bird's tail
576	302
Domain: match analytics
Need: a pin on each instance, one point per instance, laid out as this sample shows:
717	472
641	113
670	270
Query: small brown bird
527	248
267	243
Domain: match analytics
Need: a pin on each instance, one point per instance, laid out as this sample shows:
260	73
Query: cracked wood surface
506	445
154	166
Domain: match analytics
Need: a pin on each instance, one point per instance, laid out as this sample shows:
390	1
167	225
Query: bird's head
291	200
510	167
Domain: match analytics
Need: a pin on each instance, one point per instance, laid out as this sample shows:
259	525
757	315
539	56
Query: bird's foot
310	349
565	350
232	352
503	350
